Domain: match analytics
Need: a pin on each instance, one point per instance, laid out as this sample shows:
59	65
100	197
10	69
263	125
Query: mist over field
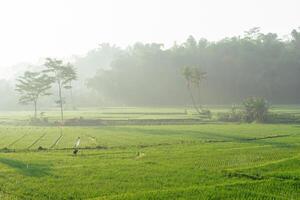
144	100
148	74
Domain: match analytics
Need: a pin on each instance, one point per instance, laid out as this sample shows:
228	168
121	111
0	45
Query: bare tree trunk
35	109
193	100
60	103
200	107
71	94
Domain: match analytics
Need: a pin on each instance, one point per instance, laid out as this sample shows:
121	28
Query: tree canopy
254	64
31	86
62	74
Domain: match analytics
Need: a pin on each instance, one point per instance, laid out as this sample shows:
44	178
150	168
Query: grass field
212	161
132	113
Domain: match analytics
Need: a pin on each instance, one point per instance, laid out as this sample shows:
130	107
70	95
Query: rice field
207	161
132	113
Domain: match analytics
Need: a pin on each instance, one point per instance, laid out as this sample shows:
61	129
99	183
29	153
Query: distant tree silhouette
61	74
193	77
31	86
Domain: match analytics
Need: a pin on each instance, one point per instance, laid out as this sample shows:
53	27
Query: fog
132	53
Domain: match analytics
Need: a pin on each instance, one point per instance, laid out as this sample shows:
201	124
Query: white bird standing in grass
76	146
77	142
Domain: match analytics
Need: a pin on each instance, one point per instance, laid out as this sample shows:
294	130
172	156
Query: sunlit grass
227	161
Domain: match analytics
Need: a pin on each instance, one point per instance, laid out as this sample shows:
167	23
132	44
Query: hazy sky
31	29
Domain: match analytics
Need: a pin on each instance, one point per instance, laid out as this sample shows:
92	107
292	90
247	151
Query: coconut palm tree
193	76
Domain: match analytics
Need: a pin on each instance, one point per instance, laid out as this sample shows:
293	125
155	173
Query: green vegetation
62	75
256	109
165	115
193	77
252	64
142	122
253	110
31	87
207	161
156	152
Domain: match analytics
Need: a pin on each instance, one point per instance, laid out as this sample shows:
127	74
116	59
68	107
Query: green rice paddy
204	161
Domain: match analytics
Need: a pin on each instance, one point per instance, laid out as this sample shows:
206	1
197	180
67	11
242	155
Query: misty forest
254	64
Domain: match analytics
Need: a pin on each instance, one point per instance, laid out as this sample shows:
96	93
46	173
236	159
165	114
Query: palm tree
193	76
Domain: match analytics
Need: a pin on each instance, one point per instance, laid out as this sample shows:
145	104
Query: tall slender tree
71	75
193	76
31	86
61	74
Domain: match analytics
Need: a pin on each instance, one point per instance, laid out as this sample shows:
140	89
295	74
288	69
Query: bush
282	118
34	121
40	148
207	113
38	121
232	116
42	120
256	109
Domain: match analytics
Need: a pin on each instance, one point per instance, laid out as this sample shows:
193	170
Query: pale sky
34	29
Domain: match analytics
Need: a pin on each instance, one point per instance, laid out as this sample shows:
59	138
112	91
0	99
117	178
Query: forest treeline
254	64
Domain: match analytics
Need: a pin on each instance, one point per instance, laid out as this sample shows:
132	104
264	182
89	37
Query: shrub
40	148
232	116
206	113
282	118
34	121
38	121
256	109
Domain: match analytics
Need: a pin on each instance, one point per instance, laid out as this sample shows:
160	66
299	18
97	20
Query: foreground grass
174	162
